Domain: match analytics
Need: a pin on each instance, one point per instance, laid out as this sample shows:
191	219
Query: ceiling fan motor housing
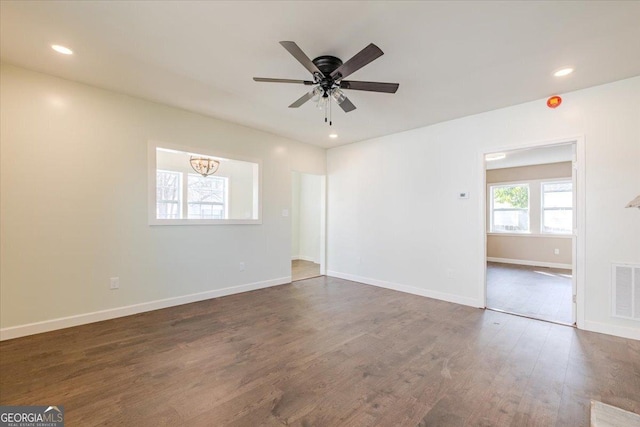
327	64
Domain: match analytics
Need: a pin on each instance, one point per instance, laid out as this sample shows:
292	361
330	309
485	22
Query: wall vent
625	291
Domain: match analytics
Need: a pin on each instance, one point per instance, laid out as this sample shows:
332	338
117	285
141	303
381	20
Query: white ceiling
451	59
533	156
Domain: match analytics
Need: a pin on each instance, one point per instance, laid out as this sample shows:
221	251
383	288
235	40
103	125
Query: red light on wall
554	102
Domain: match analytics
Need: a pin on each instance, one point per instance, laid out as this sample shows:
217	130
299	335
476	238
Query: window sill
561	236
203	221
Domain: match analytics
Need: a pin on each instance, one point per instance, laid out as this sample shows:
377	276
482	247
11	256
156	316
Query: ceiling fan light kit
328	73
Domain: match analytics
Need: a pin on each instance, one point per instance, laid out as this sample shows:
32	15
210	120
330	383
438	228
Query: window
178	195
206	197
557	207
510	208
168	186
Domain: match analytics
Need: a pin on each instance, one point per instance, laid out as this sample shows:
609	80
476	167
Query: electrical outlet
242	266
451	273
556	251
285	212
114	283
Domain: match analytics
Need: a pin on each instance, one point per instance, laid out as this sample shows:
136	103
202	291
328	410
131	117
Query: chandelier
205	166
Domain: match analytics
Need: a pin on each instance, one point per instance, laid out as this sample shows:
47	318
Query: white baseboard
531	263
304	258
620	331
409	289
112	313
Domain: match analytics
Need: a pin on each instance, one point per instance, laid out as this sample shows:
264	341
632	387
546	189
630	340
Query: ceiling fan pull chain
330	115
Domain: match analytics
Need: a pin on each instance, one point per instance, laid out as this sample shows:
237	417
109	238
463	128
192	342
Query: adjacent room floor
539	292
322	352
304	269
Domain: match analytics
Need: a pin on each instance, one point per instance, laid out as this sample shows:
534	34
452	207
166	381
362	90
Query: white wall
74	204
394	219
306	210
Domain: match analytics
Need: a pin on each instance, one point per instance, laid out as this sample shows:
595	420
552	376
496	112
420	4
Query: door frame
578	239
323	218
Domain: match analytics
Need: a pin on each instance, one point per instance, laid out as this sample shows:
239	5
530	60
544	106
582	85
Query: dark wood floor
539	292
301	269
322	352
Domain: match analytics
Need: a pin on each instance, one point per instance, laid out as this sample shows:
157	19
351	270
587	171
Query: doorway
531	231
307	225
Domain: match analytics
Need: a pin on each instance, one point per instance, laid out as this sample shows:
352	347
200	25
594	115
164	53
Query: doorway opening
531	233
307	225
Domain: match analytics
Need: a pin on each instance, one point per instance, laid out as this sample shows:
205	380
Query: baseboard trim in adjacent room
303	258
619	331
112	313
531	263
443	296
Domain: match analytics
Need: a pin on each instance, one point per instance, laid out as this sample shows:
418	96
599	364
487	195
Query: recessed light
494	156
333	135
563	72
62	49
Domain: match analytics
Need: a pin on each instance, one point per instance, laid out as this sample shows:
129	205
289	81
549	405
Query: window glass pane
557	186
202	211
511	220
167	195
557	207
557	221
510	208
510	196
206	197
558	200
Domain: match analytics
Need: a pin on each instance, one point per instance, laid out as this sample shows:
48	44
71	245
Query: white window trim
533	232
547	235
151	186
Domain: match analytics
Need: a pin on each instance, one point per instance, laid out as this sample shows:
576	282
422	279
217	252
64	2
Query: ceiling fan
328	74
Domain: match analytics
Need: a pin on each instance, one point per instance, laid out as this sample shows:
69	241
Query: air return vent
626	291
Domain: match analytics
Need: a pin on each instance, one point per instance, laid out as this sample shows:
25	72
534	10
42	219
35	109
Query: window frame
152	219
542	208
492	209
180	193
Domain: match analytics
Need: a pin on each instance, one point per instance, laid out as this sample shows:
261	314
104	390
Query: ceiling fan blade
304	98
347	105
358	61
370	86
268	80
302	57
